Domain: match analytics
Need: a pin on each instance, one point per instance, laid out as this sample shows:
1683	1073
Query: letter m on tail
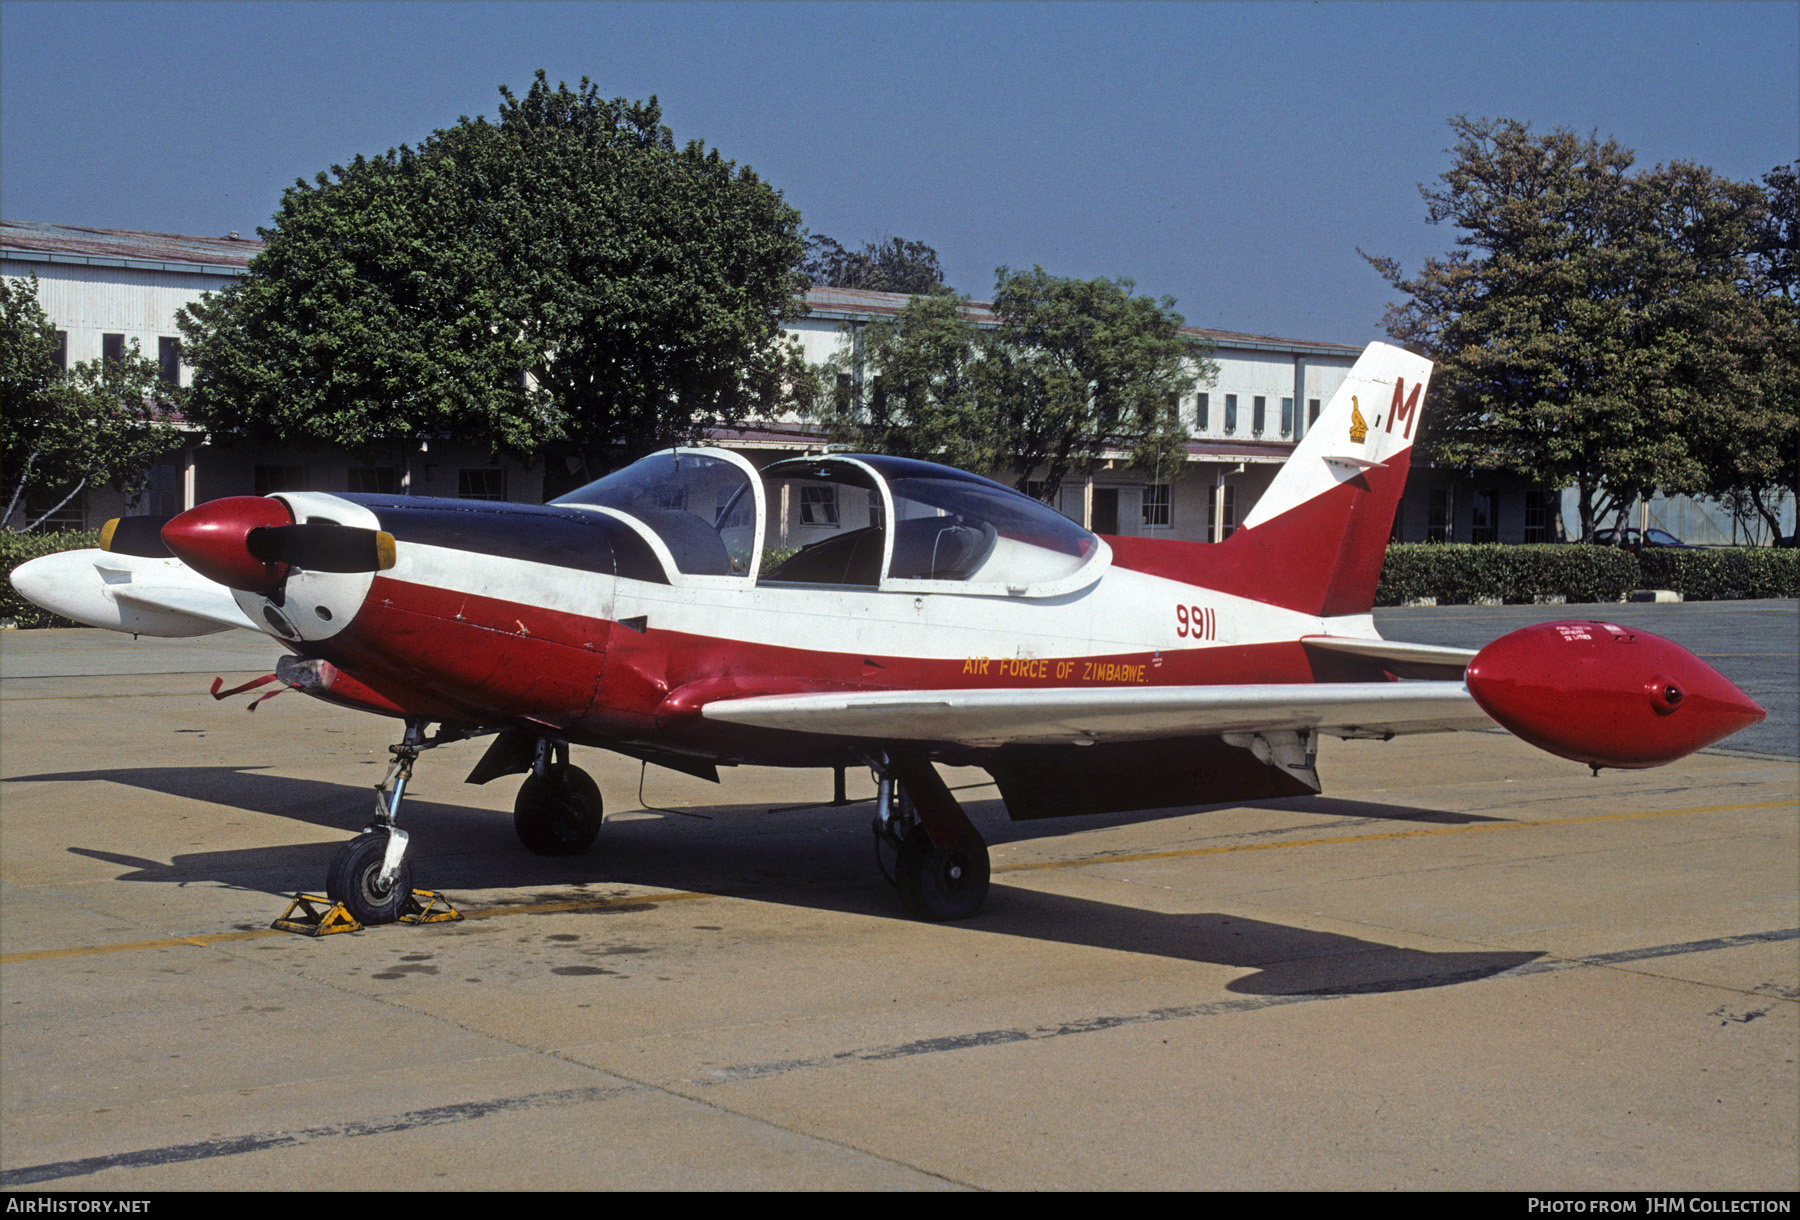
1404	406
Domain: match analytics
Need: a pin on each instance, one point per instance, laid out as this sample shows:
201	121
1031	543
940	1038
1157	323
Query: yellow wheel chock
310	915
429	906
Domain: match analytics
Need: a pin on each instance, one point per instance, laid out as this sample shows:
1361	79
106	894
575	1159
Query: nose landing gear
370	876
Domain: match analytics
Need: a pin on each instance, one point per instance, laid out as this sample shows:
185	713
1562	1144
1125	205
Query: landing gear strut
558	810
940	859
370	874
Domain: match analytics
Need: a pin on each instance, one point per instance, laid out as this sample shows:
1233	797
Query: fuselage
579	619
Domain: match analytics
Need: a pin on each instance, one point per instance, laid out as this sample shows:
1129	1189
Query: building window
1212	513
270	479
818	504
1258	414
1201	412
375	480
1537	516
840	394
1482	528
70	511
168	353
1440	526
1312	412
1287	417
482	484
112	347
878	394
1156	506
61	355
1230	414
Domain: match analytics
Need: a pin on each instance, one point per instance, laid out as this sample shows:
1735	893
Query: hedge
15	549
1458	573
1724	573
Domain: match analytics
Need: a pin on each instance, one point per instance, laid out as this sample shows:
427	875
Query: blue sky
1233	156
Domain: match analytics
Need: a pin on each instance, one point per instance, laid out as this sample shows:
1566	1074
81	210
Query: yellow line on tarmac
1391	834
213	938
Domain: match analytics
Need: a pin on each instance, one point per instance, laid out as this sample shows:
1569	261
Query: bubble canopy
855	520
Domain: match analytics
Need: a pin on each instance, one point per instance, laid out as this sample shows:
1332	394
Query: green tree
1595	326
103	421
1069	371
640	285
889	266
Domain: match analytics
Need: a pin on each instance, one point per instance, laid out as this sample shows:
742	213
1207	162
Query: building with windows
107	290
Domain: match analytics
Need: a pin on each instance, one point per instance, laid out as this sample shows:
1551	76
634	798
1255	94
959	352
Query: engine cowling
1606	695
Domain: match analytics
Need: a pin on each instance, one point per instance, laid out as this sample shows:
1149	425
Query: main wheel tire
354	880
938	885
560	814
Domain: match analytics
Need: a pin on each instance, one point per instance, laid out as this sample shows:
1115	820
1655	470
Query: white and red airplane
682	612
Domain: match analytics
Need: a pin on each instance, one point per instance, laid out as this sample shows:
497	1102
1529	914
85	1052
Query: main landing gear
558	810
940	859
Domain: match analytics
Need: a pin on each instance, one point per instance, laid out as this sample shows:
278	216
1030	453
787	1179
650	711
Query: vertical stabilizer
1316	539
1369	423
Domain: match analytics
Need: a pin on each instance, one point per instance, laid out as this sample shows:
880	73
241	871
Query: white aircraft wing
1013	716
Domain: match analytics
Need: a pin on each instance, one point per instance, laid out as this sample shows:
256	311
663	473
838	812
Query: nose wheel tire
938	884
354	880
558	814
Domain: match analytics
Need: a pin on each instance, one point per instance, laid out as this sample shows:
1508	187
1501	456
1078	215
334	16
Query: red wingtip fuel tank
1606	695
213	538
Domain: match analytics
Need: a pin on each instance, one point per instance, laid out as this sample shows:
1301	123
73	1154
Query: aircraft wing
1013	716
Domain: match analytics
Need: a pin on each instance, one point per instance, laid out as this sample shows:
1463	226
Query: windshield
699	504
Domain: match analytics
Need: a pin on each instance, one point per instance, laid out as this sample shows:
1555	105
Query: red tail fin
1316	539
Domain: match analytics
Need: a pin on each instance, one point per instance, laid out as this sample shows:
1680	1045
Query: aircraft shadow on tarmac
808	857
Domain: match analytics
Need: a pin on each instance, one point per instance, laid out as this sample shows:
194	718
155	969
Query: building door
1106	510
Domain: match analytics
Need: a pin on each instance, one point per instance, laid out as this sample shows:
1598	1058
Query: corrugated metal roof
127	247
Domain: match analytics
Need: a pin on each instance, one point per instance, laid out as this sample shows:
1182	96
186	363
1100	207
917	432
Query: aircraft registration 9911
946	619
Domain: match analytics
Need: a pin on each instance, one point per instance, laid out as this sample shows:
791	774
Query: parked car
1635	541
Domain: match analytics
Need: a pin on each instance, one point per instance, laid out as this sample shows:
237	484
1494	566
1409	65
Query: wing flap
992	717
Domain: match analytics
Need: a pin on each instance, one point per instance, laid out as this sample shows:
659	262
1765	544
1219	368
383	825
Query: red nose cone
1606	695
211	540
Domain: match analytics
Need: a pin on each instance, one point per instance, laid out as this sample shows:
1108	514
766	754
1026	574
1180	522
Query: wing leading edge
1012	716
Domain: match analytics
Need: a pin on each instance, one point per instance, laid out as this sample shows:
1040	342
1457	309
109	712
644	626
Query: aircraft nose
213	539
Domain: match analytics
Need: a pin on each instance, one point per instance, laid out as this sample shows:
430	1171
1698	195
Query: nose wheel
356	880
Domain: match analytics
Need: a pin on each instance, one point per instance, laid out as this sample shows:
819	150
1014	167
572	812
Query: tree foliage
1068	372
103	421
642	286
888	266
1595	326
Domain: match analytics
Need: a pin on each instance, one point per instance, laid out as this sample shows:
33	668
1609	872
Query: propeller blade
137	536
321	547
